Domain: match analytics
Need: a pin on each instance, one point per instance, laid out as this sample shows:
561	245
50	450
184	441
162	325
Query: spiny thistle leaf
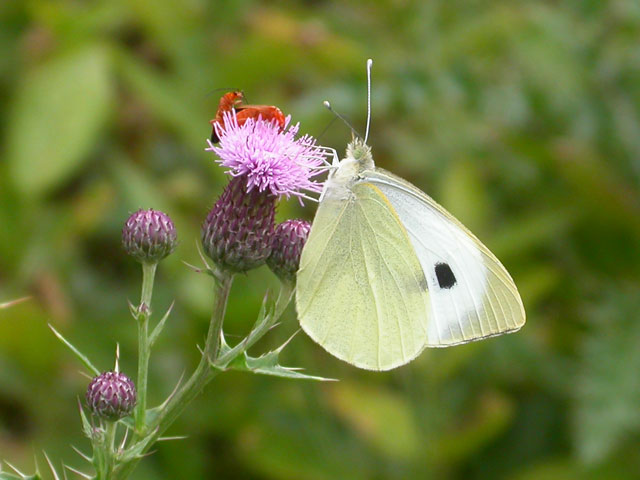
267	364
210	270
51	467
18	475
78	472
139	449
86	426
83	455
10	476
262	324
267	318
133	309
83	358
160	326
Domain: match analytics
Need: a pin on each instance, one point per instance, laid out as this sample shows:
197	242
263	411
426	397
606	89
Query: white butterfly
386	272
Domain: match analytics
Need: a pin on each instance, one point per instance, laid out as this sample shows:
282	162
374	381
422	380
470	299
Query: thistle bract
111	395
149	236
237	231
286	247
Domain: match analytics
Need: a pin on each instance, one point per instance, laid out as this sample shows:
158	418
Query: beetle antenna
221	89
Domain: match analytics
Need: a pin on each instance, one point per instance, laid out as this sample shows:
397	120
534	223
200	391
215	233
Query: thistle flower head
286	247
149	236
237	231
111	395
268	157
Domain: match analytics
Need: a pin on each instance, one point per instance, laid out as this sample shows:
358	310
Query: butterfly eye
446	278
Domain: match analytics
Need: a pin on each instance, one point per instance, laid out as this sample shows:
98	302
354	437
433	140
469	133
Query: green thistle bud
111	395
286	247
149	236
237	231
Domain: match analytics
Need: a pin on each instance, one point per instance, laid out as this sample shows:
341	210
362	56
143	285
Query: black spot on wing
446	278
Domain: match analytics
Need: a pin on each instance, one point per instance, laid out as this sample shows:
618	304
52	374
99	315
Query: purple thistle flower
270	158
149	235
286	247
237	231
111	395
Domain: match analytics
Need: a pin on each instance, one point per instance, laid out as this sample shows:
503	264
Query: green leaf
18	475
86	426
267	364
160	326
267	318
262	324
82	357
58	112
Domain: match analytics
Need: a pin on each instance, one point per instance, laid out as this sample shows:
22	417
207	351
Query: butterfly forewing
361	291
471	294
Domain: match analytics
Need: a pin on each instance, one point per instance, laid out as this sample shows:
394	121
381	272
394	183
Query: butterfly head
359	153
357	160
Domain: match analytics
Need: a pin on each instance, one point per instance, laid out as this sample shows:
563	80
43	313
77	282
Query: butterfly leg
335	163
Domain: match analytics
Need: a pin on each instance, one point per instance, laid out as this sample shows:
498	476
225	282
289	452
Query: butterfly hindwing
361	291
471	294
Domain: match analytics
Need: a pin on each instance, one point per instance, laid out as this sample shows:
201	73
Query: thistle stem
109	450
198	380
148	275
204	372
144	350
214	335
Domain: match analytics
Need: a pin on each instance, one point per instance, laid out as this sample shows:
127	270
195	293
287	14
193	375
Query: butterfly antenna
366	133
353	130
324	130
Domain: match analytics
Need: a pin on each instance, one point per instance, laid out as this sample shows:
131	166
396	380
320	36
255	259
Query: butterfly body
386	272
232	102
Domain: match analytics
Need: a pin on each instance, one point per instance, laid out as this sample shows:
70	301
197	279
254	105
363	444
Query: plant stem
144	351
204	372
284	297
148	275
194	386
110	453
214	337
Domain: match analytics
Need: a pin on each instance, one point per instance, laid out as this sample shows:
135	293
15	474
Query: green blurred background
521	117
